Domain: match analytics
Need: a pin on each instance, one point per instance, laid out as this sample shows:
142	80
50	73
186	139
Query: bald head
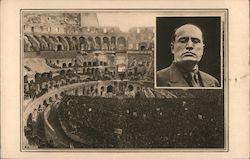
187	28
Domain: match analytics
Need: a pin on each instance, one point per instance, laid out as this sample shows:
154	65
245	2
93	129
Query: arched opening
64	65
113	43
70	64
69	72
130	88
109	89
62	72
35	44
142	46
82	42
98	43
75	43
64	42
45	102
59	47
50	99
90	43
70	43
121	42
102	88
89	63
105	45
62	94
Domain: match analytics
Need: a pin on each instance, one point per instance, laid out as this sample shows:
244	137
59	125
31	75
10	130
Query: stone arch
58	45
45	102
56	96
70	43
34	42
85	64
105	44
142	46
50	99
121	43
82	43
45	41
89	63
97	43
62	94
109	88
75	43
130	87
52	43
69	71
63	42
102	88
64	65
27	44
90	42
43	45
88	70
62	72
113	43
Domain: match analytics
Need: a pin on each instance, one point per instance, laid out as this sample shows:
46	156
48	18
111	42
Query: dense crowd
144	122
35	132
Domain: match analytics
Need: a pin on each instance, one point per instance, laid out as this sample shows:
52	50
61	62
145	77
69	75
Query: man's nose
189	45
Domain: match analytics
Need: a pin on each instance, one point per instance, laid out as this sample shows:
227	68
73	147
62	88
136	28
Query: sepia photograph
88	82
188	52
124	79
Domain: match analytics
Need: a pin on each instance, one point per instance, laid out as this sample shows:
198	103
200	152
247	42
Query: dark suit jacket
172	77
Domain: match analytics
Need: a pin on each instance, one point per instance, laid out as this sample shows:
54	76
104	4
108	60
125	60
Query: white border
172	13
238	100
222	13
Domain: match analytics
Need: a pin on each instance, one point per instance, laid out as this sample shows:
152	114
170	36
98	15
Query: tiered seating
145	122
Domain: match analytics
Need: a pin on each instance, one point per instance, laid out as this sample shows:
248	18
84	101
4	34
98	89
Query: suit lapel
176	78
206	82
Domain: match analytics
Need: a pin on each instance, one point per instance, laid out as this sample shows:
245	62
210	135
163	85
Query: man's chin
188	62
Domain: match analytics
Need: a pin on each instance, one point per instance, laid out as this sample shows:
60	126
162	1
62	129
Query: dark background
210	26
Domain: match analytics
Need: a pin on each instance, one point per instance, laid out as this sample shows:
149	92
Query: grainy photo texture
88	84
188	52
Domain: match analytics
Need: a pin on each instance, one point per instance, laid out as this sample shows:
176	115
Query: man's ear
172	47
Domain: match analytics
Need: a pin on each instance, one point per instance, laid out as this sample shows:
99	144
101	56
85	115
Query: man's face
188	44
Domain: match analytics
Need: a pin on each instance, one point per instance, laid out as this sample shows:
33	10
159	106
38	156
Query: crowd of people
144	123
34	132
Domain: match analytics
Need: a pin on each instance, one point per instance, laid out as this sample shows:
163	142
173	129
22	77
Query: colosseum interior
89	86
